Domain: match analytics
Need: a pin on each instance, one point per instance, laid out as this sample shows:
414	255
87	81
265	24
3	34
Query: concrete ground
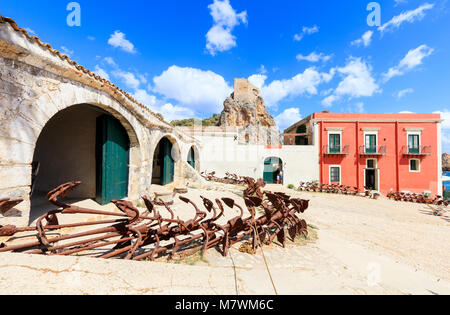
364	247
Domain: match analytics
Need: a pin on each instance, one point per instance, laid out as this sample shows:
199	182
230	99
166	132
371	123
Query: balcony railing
336	150
417	151
373	150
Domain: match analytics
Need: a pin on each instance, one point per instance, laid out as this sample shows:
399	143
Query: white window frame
413	133
367	164
414	171
340	174
334	132
370	133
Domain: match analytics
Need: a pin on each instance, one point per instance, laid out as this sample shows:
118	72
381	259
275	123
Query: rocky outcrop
245	107
446	162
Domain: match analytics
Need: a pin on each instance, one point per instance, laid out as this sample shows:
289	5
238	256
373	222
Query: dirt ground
357	246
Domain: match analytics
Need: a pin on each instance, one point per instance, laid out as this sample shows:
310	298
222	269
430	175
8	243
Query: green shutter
335	143
413	144
112	160
268	172
371	144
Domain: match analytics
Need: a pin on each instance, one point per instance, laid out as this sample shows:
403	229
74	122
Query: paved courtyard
363	247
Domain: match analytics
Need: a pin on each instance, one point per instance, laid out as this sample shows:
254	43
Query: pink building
384	152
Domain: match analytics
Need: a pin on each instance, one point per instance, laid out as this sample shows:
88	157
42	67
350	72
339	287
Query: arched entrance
163	163
81	143
273	167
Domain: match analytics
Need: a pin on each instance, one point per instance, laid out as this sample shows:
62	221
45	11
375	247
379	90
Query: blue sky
180	57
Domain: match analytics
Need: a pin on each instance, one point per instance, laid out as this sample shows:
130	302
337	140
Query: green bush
290	186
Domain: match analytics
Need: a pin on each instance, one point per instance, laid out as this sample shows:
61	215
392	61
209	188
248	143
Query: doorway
273	167
81	143
163	163
371	174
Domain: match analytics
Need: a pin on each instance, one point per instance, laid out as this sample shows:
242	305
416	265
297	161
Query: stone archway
193	158
83	143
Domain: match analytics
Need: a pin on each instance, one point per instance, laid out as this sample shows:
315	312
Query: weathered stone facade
246	109
35	84
446	162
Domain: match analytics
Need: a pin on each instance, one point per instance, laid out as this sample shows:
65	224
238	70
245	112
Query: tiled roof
76	65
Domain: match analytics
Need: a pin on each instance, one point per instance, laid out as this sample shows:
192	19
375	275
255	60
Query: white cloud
306	31
30	31
118	40
67	51
360	107
169	111
128	78
201	90
365	40
110	61
219	37
314	57
357	82
412	59
258	80
301	84
402	93
445	115
287	118
91	38
101	72
262	69
408	16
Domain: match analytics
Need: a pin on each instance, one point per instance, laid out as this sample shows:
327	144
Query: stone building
59	122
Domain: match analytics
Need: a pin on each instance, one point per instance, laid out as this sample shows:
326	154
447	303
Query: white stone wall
222	153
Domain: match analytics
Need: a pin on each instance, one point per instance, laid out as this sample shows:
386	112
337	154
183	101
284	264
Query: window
413	143
371	143
335	174
335	143
371	163
414	165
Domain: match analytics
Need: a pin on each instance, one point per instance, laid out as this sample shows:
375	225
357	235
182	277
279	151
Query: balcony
416	151
336	150
372	150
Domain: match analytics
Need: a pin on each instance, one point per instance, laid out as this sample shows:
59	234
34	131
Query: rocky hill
245	107
446	162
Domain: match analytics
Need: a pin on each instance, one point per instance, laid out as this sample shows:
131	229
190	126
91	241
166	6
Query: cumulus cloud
407	16
314	57
219	37
365	40
67	51
101	72
305	83
306	31
128	78
287	118
402	93
357	82
169	111
118	40
201	90
412	59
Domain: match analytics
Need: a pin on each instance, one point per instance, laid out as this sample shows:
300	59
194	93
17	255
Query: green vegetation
290	186
212	121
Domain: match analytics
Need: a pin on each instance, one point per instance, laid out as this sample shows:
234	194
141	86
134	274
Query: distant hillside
213	121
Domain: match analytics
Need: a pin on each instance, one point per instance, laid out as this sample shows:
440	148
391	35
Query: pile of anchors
418	198
231	179
130	235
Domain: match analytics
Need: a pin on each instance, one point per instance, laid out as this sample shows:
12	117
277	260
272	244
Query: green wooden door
113	147
268	171
168	164
191	158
